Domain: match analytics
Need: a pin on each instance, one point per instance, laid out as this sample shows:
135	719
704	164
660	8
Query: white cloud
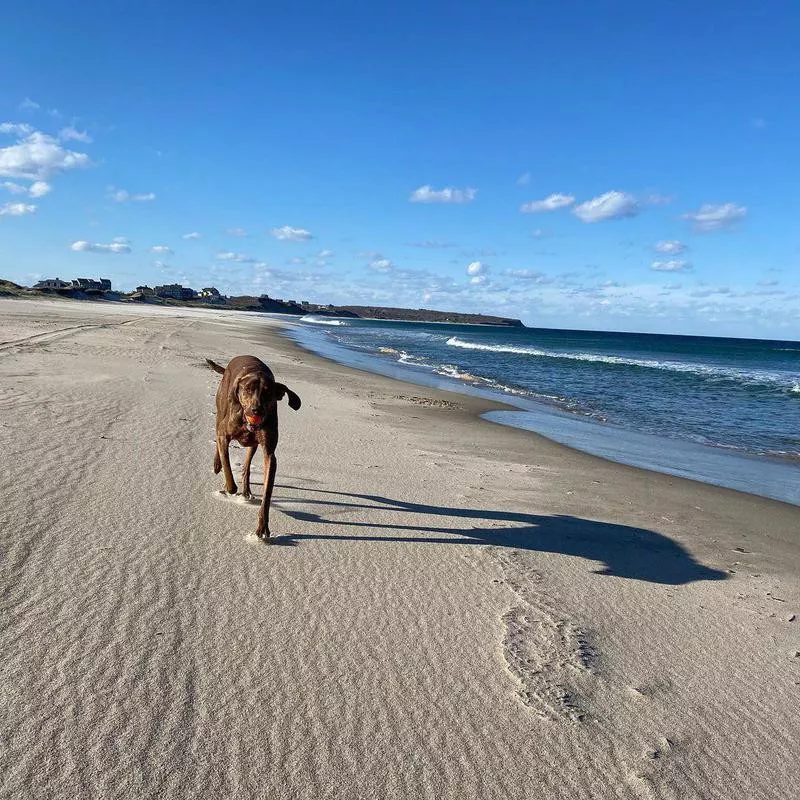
325	254
39	189
539	233
432	244
670	247
527	275
236	232
191	236
659	199
121	240
36	189
427	194
287	233
82	246
673	265
477	279
524	179
710	217
381	265
611	205
123	196
552	202
71	134
28	105
476	268
16	209
14	188
38	156
16	128
238	257
161	249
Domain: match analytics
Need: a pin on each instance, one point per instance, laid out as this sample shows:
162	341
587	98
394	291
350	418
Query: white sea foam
323	321
750	377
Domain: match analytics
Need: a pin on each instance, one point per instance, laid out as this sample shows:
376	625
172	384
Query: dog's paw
246	494
232	489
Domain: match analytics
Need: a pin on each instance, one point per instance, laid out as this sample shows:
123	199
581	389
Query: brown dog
247	411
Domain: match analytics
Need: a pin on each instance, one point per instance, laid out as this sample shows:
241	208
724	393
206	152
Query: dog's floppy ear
281	390
233	394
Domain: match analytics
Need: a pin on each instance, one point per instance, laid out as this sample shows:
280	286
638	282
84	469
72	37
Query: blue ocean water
651	400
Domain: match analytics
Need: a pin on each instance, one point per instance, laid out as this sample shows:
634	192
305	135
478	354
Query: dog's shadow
624	551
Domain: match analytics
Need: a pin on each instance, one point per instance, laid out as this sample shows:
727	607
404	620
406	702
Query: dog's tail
216	367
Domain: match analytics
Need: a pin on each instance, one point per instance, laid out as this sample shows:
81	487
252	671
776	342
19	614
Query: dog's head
255	393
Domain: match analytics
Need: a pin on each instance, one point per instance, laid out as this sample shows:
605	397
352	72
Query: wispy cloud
236	232
28	105
82	246
427	194
524	179
432	244
656	199
611	205
238	257
710	217
193	236
161	249
15	128
36	189
124	196
670	247
672	265
527	275
287	233
71	134
16	209
552	202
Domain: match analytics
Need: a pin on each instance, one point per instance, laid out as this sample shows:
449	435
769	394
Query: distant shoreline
263	304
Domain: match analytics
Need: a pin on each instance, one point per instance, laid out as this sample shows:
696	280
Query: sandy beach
450	609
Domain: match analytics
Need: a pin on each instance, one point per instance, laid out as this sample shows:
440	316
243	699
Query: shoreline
451	607
769	477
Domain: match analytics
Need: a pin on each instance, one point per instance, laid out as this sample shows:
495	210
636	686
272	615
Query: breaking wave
323	321
789	384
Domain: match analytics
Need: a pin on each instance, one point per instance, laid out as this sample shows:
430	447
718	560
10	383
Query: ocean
724	411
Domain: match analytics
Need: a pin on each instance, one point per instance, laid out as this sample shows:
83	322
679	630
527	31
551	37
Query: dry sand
452	609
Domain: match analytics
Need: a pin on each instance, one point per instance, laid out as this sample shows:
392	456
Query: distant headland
175	294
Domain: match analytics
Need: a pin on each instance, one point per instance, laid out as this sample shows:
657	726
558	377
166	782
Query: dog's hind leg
251	451
217	461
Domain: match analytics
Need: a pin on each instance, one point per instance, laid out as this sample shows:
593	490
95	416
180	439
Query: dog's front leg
251	451
222	448
270	465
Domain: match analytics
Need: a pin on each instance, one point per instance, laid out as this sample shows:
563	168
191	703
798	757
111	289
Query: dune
449	609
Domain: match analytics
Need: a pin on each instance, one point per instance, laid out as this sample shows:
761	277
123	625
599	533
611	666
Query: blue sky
587	165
